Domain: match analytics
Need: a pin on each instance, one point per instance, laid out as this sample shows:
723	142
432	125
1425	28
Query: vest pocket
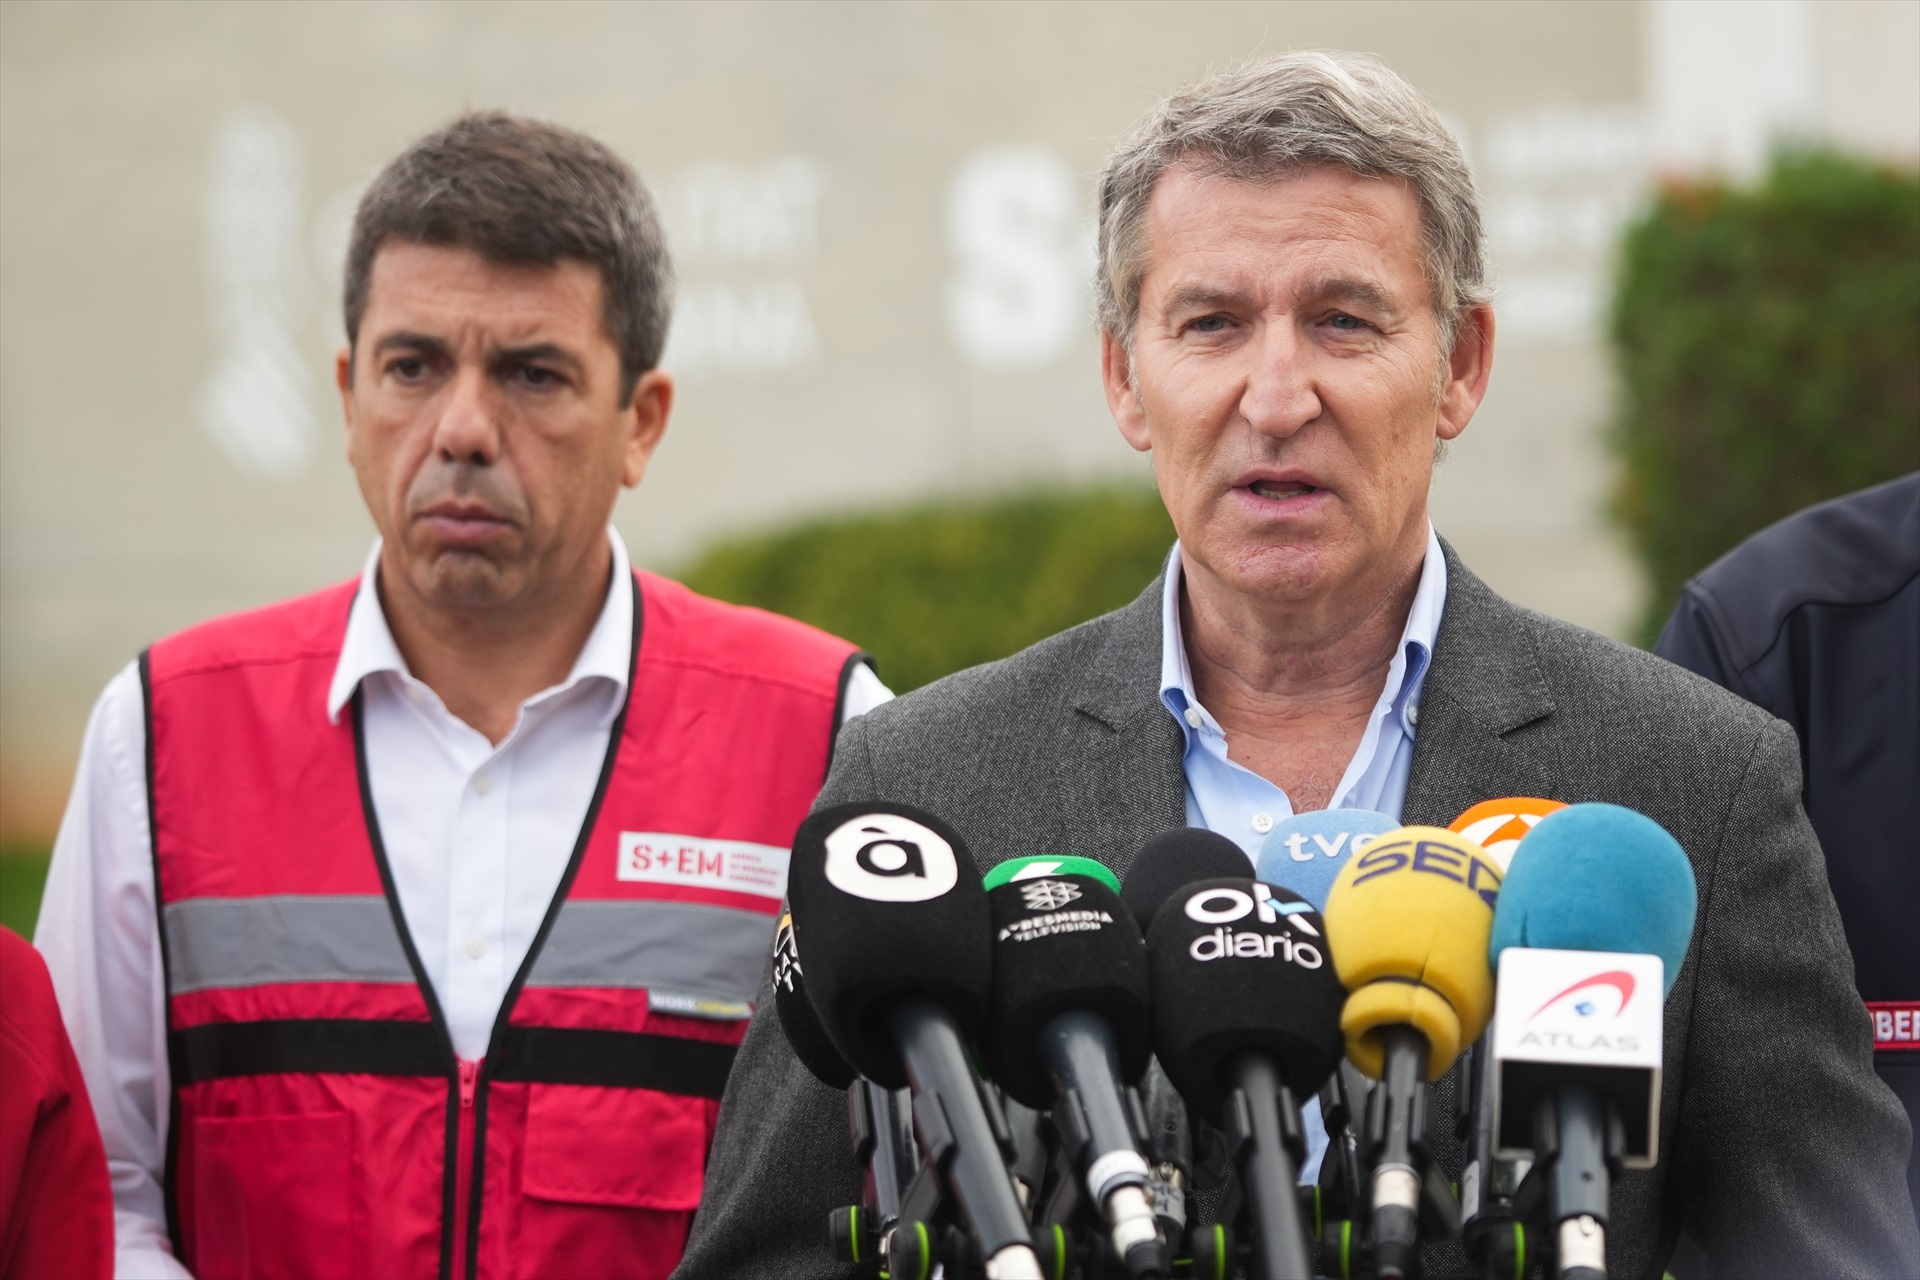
273	1196
610	1179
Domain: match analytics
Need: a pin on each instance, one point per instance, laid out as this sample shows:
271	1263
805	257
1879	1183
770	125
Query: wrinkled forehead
1205	229
453	288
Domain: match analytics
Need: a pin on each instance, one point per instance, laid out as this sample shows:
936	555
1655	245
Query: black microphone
1246	1018
1173	860
1067	1028
899	970
797	1019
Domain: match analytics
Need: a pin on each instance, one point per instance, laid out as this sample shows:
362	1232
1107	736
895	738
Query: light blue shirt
1231	799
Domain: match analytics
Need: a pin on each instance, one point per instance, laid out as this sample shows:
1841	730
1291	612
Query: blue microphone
1589	933
1306	851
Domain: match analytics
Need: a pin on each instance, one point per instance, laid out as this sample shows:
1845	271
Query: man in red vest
409	928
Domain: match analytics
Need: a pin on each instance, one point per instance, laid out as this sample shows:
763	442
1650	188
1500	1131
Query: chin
463	580
1289	572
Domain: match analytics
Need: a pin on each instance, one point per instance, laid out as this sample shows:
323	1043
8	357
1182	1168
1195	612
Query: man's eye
1209	324
1346	323
535	376
409	368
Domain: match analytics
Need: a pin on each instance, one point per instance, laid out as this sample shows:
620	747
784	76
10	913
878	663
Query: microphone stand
1262	1125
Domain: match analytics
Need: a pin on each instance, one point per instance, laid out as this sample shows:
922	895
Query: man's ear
343	379
1469	369
646	419
1116	379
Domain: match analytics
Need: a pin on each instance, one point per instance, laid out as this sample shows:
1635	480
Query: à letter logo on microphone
887	857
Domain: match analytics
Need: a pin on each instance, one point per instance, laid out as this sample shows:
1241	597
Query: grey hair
1279	115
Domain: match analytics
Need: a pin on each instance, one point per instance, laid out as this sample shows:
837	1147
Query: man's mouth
1279	489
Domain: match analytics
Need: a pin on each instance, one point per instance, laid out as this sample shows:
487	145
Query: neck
1292	683
485	662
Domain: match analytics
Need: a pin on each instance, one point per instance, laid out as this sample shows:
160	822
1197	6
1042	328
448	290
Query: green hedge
929	590
1768	344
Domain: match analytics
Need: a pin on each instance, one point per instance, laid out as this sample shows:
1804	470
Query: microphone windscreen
1408	921
1061	943
1307	851
1498	826
889	900
1175	859
1237	964
1597	877
1033	868
797	1018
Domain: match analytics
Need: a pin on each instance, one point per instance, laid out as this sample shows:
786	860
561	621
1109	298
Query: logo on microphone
1222	906
888	857
786	955
1047	895
1616	980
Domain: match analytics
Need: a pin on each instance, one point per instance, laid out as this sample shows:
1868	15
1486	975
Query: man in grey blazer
1294	315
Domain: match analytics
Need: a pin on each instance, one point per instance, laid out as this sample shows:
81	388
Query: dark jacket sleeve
782	1158
1791	1153
1692	640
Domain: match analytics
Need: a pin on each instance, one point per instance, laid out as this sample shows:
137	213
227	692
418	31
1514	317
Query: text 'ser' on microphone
1408	921
899	967
1245	1020
1487	1182
1067	1029
1594	921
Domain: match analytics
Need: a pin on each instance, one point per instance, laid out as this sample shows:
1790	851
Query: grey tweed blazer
1782	1154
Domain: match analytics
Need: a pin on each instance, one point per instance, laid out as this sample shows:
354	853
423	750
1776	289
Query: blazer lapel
1484	688
1121	776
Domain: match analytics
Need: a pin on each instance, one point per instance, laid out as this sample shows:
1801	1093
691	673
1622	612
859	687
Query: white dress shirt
450	806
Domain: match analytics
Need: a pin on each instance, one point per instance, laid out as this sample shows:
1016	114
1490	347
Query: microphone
797	1019
1246	1018
1173	860
1498	826
899	970
1595	917
1307	851
1067	1028
1408	921
1487	1182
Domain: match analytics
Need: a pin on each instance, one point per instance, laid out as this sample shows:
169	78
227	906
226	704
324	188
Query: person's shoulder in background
1857	550
56	1207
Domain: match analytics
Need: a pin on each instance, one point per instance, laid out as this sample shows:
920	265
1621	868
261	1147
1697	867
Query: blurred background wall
881	216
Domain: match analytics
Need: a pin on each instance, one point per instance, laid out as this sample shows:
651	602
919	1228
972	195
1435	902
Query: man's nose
1279	397
468	429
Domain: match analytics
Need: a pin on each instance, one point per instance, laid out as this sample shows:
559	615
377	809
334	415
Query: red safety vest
321	1123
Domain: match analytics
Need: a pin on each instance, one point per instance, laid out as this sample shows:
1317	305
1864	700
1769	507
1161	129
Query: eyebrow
1190	298
549	352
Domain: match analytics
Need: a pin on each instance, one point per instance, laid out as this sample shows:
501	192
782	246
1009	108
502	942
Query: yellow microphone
1408	923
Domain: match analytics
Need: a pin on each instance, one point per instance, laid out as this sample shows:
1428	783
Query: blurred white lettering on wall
257	403
1558	184
739	235
1023	257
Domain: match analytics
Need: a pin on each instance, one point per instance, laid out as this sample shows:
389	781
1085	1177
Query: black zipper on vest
420	980
169	1181
476	1192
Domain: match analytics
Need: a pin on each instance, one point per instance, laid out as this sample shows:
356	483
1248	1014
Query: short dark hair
516	190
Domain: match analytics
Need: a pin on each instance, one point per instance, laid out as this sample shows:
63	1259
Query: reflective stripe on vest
318	1105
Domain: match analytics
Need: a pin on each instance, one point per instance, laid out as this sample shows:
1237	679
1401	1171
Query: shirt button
1263	822
1193	717
483	784
476	948
1413	714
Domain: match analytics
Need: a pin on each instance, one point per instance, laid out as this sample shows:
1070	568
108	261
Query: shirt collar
1405	676
369	646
